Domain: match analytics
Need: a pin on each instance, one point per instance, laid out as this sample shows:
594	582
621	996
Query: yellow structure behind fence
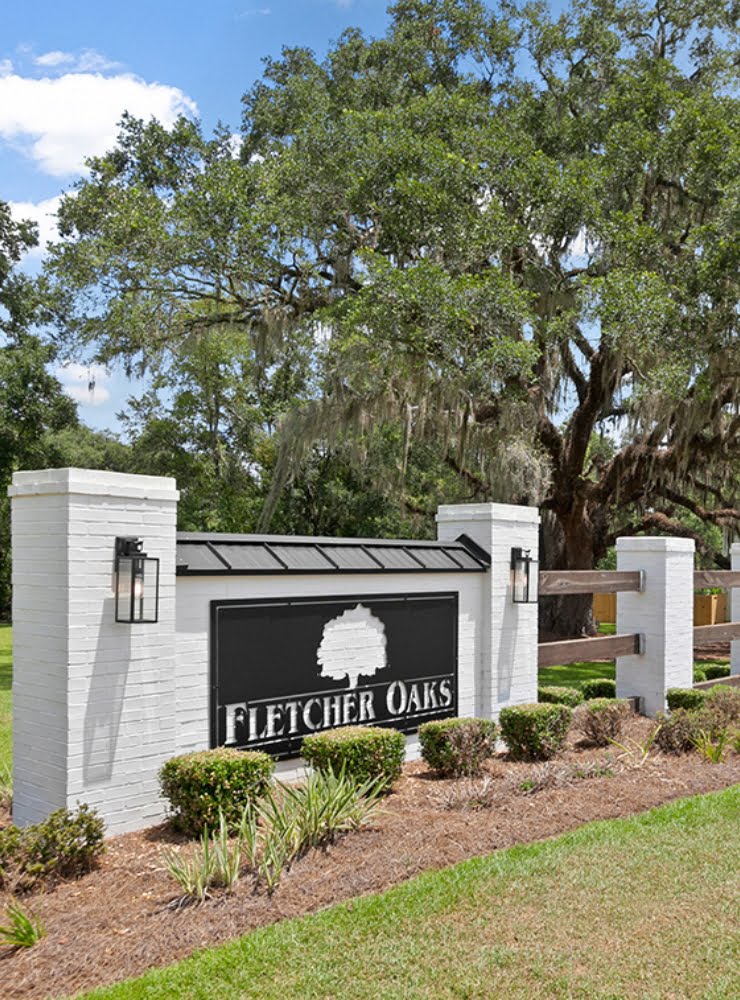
709	609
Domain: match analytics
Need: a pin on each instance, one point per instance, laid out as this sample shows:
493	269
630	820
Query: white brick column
663	613
734	609
93	700
508	671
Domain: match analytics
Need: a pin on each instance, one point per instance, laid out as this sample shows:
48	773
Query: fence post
663	613
93	699
508	670
734	609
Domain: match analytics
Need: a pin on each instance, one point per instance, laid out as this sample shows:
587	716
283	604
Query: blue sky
68	71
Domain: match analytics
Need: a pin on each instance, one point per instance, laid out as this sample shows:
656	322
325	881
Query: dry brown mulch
115	922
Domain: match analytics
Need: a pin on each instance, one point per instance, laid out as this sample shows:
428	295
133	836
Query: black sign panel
284	668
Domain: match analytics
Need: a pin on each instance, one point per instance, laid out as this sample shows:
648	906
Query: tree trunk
567	542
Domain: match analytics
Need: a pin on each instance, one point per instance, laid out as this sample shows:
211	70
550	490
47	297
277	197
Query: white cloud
58	122
256	12
87	61
85	384
6	67
55	58
43	213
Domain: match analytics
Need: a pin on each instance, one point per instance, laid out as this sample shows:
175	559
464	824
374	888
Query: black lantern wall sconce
137	583
524	577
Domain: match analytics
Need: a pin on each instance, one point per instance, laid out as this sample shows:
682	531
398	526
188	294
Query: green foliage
535	732
699	675
600	687
194	873
719	711
318	809
713	748
601	720
685	698
714	671
363	753
272	833
32	403
64	845
10	837
202	785
311	814
227	854
6	784
215	862
677	733
485	211
458	747
559	696
722	705
22	931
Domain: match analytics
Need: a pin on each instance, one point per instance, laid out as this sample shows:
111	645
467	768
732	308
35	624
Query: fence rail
716	578
589	581
724	632
604	647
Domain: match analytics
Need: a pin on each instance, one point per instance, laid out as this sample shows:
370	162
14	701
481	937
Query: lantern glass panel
534	580
137	589
146	590
124	585
520	581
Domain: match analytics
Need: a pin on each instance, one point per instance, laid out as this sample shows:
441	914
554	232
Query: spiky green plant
23	930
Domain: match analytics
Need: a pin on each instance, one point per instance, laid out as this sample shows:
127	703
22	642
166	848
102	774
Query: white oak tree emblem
352	644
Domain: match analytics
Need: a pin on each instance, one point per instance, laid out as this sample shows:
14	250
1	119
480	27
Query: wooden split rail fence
607	647
723	631
581	581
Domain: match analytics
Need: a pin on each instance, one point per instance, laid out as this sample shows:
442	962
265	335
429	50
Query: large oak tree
32	403
513	235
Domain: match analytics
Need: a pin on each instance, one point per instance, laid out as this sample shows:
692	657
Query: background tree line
492	255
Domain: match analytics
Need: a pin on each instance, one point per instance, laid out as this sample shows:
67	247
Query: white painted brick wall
664	613
99	705
508	665
93	700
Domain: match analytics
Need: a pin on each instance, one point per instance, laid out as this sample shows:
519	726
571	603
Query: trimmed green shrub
722	704
599	687
685	698
716	670
64	845
601	719
535	732
364	753
559	696
203	784
699	675
9	840
718	715
678	732
457	747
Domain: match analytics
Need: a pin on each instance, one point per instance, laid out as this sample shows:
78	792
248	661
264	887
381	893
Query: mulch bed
115	922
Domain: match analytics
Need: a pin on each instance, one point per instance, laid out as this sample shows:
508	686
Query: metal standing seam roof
207	554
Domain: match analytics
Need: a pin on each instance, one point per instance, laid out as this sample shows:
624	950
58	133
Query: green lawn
574	674
5	680
643	907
